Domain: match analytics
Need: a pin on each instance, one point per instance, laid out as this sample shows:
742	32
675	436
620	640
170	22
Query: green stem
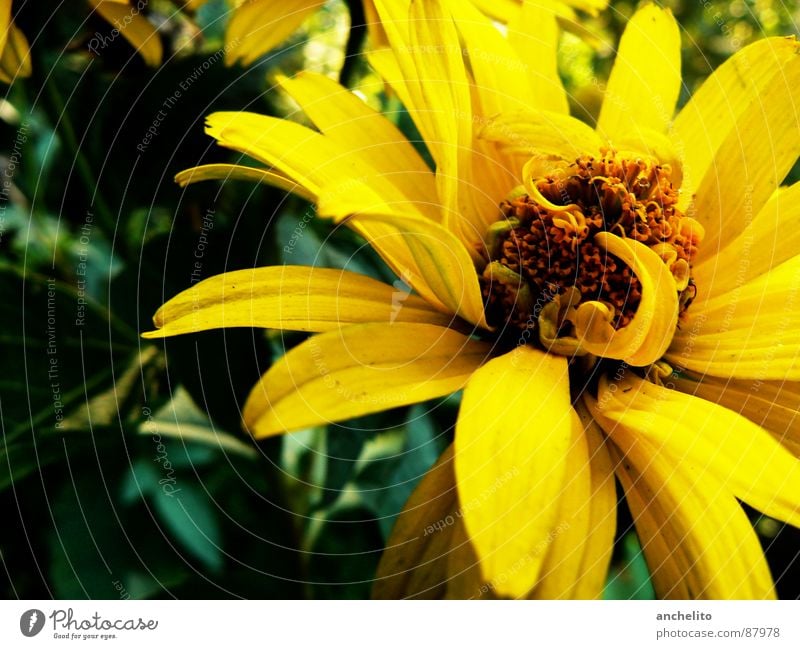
355	40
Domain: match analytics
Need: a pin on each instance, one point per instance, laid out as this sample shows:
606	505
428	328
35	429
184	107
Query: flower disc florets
542	259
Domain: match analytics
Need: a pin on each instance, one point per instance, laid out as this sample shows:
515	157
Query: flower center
544	258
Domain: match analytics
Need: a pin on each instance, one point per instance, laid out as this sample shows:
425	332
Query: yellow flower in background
124	16
15	60
254	28
618	301
128	21
505	11
259	26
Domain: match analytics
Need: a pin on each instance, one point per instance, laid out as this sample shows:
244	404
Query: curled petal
649	334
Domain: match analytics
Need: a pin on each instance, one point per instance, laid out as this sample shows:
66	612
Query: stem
355	40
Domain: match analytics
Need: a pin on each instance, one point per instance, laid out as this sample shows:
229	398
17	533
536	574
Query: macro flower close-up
312	307
616	300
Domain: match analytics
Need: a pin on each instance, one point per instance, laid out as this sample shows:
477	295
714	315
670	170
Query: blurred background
124	472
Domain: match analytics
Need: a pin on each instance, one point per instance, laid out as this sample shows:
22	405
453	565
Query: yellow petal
133	27
512	438
501	10
485	174
696	538
531	132
307	157
297	298
707	440
429	55
427	257
751	332
533	33
428	554
15	62
261	25
444	86
398	61
501	77
504	10
351	123
386	64
509	141
655	144
646	78
359	370
303	155
602	512
464	578
769	240
773	405
497	172
5	22
240	172
673	572
376	33
648	335
576	566
713	111
414	563
397	67
591	7
750	163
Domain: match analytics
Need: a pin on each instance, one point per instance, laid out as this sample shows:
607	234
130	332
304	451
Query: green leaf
185	509
183	421
191	518
630	578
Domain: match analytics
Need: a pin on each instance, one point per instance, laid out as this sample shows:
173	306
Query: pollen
542	250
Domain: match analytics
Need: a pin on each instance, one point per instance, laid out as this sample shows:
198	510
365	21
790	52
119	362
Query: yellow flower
127	20
255	27
630	309
15	60
258	26
261	25
506	11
